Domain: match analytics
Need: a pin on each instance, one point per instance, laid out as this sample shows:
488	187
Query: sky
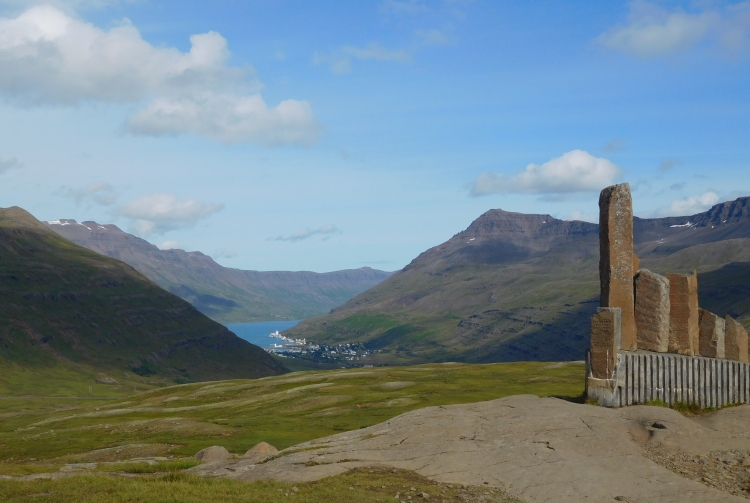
297	135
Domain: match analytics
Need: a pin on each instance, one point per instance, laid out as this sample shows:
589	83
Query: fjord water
257	332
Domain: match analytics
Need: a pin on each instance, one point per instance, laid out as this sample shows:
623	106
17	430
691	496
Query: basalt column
735	340
711	330
616	258
683	314
605	341
652	311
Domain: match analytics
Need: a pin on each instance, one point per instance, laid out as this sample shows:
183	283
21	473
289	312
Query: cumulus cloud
652	31
228	118
340	61
689	205
6	164
574	171
160	213
99	193
307	233
50	57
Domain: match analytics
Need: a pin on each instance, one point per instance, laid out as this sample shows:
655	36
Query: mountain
65	305
224	294
523	287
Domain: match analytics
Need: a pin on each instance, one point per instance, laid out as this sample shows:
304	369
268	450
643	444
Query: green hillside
65	307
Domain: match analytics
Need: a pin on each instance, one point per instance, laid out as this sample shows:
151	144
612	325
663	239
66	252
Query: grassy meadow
37	431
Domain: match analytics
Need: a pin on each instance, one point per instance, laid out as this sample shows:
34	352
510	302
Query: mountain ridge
514	286
225	294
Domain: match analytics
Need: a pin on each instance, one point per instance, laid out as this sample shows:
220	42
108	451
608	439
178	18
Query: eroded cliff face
514	286
225	294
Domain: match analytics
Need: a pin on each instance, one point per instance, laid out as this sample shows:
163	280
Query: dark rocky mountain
224	294
64	305
523	287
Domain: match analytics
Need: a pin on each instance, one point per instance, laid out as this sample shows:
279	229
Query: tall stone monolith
711	333
606	333
735	340
616	258
683	314
652	311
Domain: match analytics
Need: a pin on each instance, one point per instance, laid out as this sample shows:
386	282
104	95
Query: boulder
683	314
652	311
712	332
735	340
605	341
260	450
616	258
213	454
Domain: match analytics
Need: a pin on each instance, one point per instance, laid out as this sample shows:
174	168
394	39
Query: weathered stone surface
616	258
711	330
213	454
735	340
652	311
542	450
262	449
606	335
683	314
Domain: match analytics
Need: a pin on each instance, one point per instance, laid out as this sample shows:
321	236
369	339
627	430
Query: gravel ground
727	471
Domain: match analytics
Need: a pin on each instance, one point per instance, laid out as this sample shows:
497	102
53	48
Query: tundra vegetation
129	445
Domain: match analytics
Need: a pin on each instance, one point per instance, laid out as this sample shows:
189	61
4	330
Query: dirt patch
394	385
727	471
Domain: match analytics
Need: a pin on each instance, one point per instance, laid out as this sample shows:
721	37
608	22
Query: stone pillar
605	341
712	332
683	314
735	340
652	311
616	259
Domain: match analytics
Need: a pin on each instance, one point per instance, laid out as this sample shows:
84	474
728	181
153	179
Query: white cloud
653	31
100	193
168	245
341	61
228	118
574	171
160	213
689	205
306	233
50	57
6	164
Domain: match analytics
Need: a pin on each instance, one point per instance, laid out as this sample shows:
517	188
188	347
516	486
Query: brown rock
652	311
616	259
261	449
212	454
735	341
683	314
711	330
606	333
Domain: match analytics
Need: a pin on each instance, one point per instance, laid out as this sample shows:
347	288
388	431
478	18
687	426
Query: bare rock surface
261	450
539	449
213	454
735	342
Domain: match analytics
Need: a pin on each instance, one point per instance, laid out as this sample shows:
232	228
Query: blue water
257	333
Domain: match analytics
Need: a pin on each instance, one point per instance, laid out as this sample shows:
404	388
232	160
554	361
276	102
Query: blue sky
292	135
